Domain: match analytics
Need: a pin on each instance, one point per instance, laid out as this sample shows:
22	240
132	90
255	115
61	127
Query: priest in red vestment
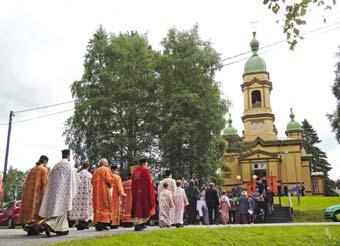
143	195
127	203
101	197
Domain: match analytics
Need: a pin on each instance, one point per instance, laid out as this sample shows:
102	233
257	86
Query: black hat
142	160
43	158
167	173
114	167
65	152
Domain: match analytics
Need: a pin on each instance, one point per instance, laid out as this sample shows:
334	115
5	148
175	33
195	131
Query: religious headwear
167	173
65	152
42	159
114	167
142	160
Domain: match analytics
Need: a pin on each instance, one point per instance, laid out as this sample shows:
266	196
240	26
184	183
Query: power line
39	117
278	42
223	65
43	107
43	116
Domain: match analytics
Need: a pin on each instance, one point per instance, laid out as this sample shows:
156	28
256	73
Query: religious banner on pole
1	186
272	183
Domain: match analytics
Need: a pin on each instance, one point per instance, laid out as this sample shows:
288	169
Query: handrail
290	204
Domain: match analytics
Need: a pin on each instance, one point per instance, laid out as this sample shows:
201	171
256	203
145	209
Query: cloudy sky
42	45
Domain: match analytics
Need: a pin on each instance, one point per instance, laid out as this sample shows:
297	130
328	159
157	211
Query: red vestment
33	191
127	201
117	191
143	193
102	200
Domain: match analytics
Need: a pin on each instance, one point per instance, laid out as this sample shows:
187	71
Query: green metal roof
293	125
255	63
230	131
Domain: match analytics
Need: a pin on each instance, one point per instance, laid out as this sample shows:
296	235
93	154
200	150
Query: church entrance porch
269	181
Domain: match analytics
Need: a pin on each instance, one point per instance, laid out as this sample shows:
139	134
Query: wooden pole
11	114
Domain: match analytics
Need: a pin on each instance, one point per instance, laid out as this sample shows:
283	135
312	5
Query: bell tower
257	118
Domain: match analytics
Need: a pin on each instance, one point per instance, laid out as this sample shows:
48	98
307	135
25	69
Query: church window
256	99
315	186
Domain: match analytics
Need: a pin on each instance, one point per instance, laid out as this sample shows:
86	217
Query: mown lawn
311	207
292	235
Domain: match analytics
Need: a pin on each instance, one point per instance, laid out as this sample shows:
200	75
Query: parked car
9	215
333	212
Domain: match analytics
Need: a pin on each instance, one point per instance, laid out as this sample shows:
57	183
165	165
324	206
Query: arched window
256	99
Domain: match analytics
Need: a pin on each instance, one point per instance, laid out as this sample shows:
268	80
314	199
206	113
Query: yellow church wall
232	162
267	132
267	97
246	100
294	135
272	168
321	185
306	177
246	173
259	115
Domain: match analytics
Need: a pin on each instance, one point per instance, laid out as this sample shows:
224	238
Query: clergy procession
53	201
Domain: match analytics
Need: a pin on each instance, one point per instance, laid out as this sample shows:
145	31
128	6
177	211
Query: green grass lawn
311	207
292	235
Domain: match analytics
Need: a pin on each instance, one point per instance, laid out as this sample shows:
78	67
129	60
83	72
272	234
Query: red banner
1	186
251	187
271	183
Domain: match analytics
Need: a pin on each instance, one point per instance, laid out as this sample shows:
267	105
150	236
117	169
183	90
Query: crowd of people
53	200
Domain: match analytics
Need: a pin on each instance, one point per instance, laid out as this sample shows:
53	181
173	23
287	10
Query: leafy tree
116	108
191	109
132	100
335	116
14	184
319	161
293	15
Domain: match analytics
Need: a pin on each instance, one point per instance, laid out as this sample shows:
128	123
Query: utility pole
11	114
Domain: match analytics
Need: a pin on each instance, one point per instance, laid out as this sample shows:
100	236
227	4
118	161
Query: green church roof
293	125
255	63
230	131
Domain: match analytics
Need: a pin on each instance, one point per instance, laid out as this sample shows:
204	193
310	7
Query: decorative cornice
258	152
256	80
306	157
295	130
254	73
249	116
264	143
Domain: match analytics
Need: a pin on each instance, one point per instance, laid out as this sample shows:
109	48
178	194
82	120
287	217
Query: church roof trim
265	143
256	80
268	155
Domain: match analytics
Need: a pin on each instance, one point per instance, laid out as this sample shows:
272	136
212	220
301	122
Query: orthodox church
259	153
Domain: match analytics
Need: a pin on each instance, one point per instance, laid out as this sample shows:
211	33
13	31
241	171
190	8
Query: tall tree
14	184
192	108
116	108
319	158
335	116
